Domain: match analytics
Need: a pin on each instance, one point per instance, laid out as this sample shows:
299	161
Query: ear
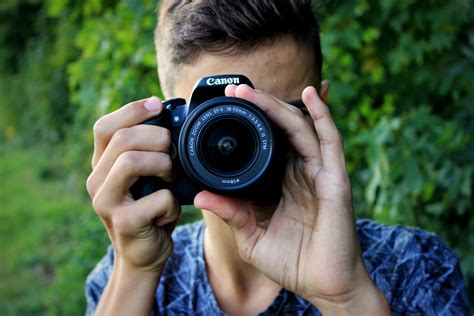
325	85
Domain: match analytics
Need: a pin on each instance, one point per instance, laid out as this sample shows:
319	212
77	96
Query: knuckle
122	137
159	137
100	129
164	162
165	136
100	207
167	198
128	161
126	223
91	185
121	223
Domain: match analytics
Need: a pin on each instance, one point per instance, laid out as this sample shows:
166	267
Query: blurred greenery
402	74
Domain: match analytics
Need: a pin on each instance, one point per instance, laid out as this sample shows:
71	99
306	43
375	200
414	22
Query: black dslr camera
222	144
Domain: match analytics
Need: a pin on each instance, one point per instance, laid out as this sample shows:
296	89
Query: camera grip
147	184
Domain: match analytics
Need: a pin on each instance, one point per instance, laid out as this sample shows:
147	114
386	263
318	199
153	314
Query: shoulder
414	268
400	241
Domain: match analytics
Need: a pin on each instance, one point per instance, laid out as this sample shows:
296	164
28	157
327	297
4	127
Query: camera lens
228	145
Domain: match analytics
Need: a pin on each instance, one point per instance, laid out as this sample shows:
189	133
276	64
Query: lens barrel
229	145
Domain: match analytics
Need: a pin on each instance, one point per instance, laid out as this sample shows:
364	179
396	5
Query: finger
332	151
137	138
128	167
160	208
300	133
129	115
237	214
230	90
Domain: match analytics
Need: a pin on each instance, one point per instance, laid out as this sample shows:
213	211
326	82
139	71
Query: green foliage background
402	77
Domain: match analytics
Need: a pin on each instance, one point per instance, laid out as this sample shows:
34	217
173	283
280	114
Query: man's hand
140	231
310	244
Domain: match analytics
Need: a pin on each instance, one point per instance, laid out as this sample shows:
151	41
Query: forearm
129	292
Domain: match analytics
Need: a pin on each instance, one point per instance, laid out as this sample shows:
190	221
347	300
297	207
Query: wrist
129	291
124	270
364	299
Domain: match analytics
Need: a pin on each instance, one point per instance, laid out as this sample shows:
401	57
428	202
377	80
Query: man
304	255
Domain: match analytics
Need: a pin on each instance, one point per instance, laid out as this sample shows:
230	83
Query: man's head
274	43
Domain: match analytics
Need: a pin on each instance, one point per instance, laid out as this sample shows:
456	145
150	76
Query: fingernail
152	104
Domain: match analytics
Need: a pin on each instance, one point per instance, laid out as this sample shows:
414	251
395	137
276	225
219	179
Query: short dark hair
187	28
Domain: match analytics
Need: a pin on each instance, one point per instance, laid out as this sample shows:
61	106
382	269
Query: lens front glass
228	145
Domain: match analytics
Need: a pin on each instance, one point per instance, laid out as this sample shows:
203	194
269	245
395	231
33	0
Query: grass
50	237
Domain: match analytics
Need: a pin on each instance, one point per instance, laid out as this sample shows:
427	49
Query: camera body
222	144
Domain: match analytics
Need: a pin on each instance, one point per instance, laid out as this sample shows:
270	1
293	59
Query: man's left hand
310	244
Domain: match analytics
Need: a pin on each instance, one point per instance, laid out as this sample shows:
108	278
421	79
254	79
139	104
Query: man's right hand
124	150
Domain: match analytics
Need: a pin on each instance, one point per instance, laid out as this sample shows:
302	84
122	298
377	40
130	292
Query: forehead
282	69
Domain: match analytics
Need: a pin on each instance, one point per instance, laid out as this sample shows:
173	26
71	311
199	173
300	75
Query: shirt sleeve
431	282
97	280
418	274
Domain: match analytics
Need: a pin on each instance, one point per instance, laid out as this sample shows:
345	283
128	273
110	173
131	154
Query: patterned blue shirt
417	272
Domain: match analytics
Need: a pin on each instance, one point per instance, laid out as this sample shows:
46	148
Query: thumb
235	212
